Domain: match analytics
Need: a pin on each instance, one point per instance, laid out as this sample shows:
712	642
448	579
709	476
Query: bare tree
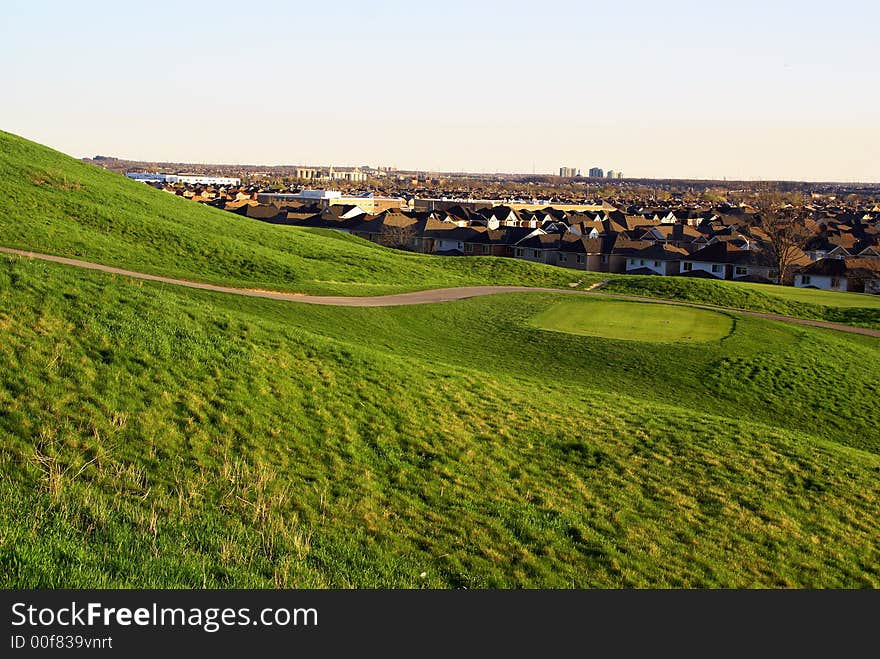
786	234
397	237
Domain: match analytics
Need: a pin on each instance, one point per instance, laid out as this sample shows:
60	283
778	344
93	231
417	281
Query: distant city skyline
765	91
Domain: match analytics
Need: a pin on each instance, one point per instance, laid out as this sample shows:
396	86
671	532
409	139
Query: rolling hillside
158	436
55	204
164	437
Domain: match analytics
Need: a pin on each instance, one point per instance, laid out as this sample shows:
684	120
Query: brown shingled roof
868	268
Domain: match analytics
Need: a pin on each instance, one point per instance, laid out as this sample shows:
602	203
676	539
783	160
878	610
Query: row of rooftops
719	238
859	267
837	211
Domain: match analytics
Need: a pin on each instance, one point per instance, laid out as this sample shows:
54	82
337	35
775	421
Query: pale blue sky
679	88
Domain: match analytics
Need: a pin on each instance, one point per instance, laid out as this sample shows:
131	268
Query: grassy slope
153	436
846	308
636	322
814	296
52	203
782	375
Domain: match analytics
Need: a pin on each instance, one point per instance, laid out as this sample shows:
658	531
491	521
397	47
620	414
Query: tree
397	237
785	234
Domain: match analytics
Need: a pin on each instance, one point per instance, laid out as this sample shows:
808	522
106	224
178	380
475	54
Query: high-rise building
596	172
569	172
610	174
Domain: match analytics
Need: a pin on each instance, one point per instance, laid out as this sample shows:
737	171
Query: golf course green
634	321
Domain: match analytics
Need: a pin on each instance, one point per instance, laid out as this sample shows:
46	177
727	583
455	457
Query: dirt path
418	297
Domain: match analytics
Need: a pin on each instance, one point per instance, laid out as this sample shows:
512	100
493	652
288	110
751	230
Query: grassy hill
154	436
54	204
857	309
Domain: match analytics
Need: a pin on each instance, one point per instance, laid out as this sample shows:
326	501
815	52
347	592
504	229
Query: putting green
634	321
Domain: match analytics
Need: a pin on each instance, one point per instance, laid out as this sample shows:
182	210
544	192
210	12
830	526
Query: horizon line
449	172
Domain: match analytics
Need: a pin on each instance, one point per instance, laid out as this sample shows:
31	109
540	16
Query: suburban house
857	275
833	247
654	259
538	247
726	260
572	251
587	229
448	239
501	216
674	234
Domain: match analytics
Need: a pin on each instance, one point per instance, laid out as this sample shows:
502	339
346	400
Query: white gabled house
656	259
724	260
857	275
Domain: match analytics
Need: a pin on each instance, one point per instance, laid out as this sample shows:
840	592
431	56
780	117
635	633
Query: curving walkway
417	297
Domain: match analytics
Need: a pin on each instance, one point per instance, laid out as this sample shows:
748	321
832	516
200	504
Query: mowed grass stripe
634	321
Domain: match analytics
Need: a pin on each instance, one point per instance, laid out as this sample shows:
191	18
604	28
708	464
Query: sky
747	90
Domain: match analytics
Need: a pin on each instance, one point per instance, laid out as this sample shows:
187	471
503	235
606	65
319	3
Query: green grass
814	296
154	436
159	437
857	309
52	203
654	323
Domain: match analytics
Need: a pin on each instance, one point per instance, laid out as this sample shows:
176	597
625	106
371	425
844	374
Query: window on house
742	270
519	251
835	282
716	267
805	279
604	258
460	245
656	264
469	248
581	258
536	254
641	261
562	258
687	266
487	249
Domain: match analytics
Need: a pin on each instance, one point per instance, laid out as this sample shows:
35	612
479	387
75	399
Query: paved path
418	297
